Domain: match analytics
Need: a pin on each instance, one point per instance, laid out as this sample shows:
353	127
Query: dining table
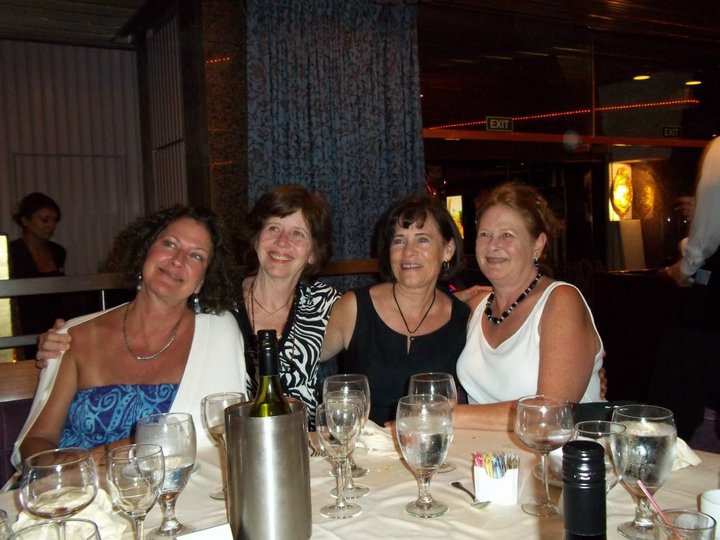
392	485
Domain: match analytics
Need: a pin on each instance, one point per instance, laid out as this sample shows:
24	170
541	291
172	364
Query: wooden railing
102	283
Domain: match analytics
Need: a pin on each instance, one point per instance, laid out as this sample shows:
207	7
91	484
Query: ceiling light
693	83
642	77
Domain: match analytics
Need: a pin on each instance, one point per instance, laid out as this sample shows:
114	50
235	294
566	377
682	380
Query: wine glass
543	423
424	431
607	434
58	483
337	423
344	382
135	474
213	416
646	452
175	432
436	383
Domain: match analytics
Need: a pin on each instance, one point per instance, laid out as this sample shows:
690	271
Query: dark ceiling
472	52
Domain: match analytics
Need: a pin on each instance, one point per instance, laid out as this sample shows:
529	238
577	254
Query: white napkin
100	511
684	456
377	440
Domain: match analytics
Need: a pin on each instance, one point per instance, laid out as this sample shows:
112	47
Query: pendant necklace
505	314
270	314
164	347
411	333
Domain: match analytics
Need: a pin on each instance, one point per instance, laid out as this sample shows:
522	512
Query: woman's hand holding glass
424	432
646	452
543	423
135	474
442	384
59	483
337	422
213	416
175	432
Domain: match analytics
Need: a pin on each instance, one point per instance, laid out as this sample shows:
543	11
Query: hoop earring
196	303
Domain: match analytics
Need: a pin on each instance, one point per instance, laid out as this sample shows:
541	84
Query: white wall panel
70	128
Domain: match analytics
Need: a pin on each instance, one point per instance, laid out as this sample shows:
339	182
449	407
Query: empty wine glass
646	452
337	423
58	483
73	528
344	382
175	432
424	431
607	434
213	416
436	383
543	423
135	474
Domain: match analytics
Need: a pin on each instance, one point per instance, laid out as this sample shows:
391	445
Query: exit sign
671	131
498	123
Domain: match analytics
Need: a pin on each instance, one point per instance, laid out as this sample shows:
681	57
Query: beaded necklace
505	314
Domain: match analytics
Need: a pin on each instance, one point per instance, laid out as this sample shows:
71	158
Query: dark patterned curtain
334	104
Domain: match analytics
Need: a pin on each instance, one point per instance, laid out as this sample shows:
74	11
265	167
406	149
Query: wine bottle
269	399
584	512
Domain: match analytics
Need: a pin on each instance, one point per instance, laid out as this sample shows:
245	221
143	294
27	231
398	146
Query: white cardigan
216	364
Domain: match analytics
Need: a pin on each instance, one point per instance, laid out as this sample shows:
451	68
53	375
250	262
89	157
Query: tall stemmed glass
436	383
646	452
175	432
58	483
135	474
543	423
607	434
351	381
424	431
337	423
213	416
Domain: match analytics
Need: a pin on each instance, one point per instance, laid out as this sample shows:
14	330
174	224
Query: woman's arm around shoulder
568	345
340	327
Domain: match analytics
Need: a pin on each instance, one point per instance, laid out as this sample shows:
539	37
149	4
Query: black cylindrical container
584	491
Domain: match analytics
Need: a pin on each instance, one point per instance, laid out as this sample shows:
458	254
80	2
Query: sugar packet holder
495	477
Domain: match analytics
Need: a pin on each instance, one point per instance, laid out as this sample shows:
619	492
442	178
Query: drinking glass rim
430	374
617	426
83	455
153	418
558	401
665	413
126	447
424	398
659	521
218	394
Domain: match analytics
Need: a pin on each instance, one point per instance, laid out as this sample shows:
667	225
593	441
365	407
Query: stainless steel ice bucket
268	474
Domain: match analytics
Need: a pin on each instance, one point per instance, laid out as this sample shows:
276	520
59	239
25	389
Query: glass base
421	510
157	534
541	510
340	512
630	529
355	493
446	467
219	494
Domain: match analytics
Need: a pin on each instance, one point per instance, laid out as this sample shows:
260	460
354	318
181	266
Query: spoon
474	504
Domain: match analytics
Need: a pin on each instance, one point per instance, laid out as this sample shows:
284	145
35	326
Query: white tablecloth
393	486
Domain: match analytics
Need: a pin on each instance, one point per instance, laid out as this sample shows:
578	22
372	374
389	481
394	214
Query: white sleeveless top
510	371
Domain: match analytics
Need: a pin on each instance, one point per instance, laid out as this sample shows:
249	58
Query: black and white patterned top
299	346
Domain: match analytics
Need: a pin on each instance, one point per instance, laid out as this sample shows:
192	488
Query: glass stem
61	530
139	528
425	500
643	512
170	523
343	469
347	473
546	490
